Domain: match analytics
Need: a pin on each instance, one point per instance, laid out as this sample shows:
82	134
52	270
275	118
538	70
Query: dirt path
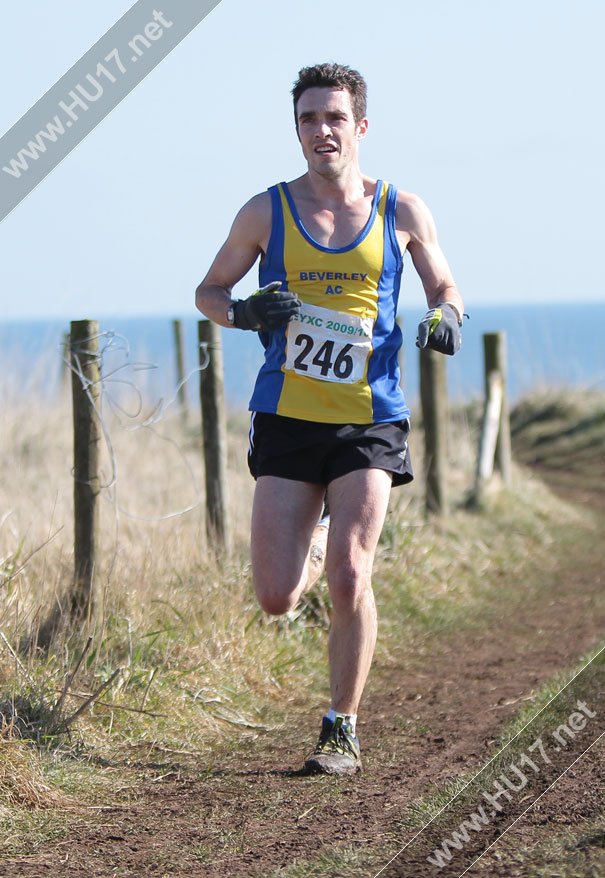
426	719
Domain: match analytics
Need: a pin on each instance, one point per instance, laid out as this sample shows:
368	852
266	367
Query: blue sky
491	111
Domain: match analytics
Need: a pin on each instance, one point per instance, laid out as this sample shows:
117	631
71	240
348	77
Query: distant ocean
549	346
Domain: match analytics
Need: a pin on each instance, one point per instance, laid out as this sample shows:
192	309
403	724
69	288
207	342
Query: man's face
327	130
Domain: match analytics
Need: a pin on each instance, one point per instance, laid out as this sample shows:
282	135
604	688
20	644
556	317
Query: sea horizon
548	346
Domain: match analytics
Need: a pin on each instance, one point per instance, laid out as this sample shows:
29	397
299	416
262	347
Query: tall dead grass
22	784
188	655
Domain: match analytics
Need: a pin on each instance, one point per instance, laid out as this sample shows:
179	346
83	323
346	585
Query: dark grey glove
439	329
266	308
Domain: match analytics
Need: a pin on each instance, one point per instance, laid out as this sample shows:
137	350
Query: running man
328	414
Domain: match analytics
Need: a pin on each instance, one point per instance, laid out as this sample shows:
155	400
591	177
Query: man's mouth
325	148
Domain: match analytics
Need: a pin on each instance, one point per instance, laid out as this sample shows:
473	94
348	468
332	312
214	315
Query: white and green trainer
337	750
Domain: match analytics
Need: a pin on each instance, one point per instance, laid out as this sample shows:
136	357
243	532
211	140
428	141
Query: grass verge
182	665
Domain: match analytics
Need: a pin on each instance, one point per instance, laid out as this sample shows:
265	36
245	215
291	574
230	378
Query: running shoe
337	751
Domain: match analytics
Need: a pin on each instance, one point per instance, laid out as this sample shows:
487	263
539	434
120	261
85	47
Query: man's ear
362	129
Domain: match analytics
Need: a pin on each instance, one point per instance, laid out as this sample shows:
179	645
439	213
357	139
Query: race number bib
328	345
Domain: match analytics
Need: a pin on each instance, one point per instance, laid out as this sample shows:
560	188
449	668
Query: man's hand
266	309
440	330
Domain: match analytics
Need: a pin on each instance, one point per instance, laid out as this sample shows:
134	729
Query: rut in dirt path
426	718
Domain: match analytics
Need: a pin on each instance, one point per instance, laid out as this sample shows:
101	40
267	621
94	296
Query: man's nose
323	130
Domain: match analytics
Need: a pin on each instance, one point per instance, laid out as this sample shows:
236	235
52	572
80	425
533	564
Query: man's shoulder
412	212
409	201
409	204
254	217
259	204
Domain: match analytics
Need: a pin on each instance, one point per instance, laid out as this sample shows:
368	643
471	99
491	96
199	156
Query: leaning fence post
433	398
177	328
84	359
488	438
214	433
494	350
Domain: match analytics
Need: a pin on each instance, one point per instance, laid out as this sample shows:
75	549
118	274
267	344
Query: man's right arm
247	240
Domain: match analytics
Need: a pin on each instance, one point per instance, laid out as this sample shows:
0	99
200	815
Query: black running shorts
307	451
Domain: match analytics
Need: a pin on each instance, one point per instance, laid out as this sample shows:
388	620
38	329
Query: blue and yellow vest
338	363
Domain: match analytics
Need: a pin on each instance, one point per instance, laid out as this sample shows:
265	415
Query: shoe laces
334	739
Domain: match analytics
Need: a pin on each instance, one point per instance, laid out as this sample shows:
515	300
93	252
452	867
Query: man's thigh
358	505
284	514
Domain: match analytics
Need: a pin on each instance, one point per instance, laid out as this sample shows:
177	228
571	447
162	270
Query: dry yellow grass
194	664
22	784
196	659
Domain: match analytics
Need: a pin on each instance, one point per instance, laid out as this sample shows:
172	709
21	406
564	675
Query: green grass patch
332	863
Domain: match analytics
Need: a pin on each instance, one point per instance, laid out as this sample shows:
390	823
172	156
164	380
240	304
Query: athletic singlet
337	364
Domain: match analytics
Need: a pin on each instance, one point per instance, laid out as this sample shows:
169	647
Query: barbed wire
109	342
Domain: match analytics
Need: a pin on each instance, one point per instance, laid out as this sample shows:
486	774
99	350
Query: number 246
342	365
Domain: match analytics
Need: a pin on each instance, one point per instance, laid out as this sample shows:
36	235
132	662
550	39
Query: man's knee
350	585
276	595
276	603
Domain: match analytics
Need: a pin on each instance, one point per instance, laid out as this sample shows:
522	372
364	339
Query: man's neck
343	189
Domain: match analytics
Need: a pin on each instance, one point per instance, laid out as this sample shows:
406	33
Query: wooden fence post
214	433
84	357
488	438
433	398
494	350
177	327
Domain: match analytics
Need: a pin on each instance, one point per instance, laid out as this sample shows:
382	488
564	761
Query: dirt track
424	721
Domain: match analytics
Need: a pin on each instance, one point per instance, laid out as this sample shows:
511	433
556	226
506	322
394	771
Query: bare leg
317	554
284	515
358	505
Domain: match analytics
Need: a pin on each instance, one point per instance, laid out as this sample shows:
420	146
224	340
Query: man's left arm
438	329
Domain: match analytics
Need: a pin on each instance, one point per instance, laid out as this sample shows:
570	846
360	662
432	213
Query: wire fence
112	353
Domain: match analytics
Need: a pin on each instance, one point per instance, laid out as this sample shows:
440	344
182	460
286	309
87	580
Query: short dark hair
333	76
